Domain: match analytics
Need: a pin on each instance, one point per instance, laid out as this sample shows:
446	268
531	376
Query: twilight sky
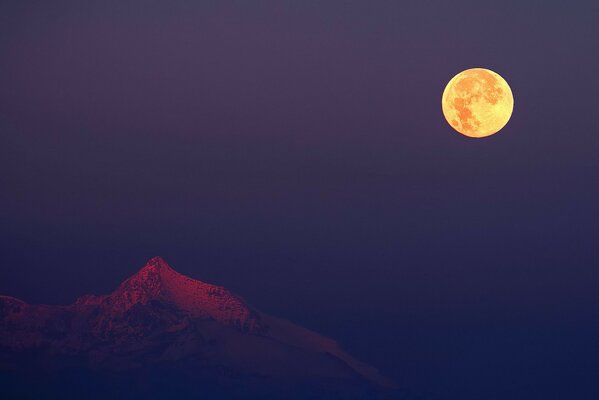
296	153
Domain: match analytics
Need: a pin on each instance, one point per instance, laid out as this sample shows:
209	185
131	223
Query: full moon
477	102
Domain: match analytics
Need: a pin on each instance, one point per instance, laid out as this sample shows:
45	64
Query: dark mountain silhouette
161	334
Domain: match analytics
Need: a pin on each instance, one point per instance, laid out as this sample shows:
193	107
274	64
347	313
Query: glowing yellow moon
477	102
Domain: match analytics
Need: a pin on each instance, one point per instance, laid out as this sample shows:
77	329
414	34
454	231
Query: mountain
161	333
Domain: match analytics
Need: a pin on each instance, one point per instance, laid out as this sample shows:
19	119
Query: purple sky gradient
296	153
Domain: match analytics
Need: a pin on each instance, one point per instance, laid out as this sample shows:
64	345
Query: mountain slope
157	281
161	320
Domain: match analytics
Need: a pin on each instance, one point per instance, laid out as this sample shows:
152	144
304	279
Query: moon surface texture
477	102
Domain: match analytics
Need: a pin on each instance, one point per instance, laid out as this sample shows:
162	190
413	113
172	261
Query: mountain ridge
157	280
159	316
